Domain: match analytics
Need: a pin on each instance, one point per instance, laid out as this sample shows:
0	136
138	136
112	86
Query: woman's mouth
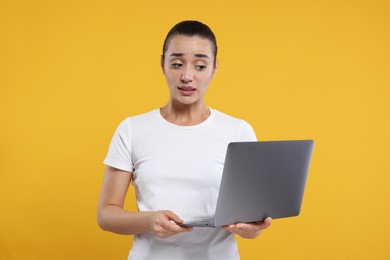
186	90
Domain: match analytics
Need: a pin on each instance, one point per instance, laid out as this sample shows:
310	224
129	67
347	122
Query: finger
247	227
161	223
266	223
173	216
160	231
177	220
186	229
248	230
231	228
164	232
169	226
172	228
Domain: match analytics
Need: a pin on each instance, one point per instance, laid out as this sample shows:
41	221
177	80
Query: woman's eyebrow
180	54
202	56
176	54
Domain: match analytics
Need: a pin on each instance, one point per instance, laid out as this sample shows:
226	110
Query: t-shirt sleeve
246	132
119	152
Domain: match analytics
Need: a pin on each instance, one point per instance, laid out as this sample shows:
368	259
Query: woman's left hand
249	230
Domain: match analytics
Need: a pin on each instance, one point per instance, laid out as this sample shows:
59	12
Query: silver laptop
259	180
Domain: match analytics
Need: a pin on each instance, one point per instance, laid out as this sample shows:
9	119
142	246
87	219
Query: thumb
174	217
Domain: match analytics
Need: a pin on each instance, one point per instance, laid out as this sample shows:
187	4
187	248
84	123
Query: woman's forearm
115	219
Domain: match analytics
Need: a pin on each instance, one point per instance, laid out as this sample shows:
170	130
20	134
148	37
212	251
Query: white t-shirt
178	168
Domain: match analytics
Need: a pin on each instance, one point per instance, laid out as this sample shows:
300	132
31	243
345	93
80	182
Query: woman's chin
186	100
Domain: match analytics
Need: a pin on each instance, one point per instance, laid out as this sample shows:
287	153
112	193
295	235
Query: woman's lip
186	91
186	88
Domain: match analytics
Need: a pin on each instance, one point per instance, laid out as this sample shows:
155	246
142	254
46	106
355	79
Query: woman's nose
187	75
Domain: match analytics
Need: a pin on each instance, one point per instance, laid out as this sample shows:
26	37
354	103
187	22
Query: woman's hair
191	28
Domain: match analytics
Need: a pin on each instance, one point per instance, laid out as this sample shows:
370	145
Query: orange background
70	71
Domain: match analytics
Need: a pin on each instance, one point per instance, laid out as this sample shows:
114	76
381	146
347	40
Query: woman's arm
112	216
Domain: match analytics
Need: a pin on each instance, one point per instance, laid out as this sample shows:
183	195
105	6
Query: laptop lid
263	179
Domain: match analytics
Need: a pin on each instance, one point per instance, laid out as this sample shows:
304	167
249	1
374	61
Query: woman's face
188	67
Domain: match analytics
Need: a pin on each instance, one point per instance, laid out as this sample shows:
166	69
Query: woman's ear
215	67
162	63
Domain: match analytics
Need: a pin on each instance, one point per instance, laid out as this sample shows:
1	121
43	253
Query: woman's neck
185	115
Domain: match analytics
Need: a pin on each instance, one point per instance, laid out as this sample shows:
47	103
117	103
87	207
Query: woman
174	156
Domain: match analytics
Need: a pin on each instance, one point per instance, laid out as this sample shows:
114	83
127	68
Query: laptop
259	180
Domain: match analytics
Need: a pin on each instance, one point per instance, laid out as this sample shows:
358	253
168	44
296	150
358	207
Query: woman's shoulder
235	124
138	119
226	117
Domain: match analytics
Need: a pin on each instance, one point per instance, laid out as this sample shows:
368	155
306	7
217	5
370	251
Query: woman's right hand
164	223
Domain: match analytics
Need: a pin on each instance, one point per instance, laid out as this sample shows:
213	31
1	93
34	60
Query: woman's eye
200	67
176	65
